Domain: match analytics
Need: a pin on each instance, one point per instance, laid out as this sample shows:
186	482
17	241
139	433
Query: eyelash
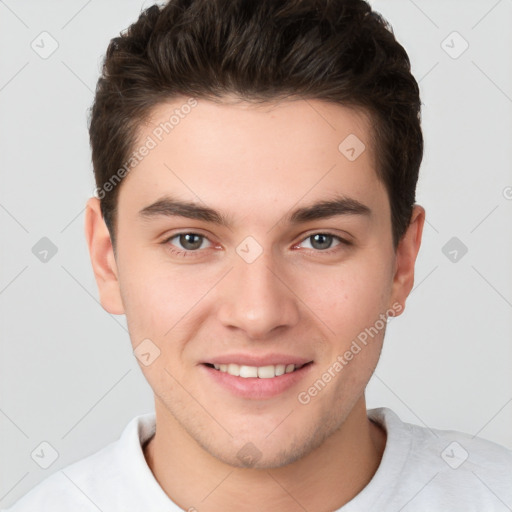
194	253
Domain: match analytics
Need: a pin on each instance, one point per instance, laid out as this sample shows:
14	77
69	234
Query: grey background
68	376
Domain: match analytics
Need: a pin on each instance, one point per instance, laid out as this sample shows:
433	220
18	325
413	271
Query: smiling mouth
261	372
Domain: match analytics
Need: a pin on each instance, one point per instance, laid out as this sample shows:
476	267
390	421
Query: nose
257	298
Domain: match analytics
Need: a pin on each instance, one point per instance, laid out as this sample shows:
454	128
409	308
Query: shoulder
455	448
92	483
460	450
69	487
448	467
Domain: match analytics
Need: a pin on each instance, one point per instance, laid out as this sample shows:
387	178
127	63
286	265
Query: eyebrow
172	207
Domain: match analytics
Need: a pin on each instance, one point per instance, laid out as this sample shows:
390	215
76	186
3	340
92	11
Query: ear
102	258
405	257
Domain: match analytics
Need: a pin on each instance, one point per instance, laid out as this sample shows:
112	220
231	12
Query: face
223	266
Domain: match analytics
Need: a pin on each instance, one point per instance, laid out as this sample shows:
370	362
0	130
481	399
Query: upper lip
254	360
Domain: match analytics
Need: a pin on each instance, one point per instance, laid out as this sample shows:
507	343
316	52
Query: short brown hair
260	50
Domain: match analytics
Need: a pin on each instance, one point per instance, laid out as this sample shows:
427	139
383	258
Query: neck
325	479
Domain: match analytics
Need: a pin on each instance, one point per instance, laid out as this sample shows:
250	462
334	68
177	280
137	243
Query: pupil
323	240
186	242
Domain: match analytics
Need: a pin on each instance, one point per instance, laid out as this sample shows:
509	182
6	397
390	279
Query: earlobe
405	259
102	257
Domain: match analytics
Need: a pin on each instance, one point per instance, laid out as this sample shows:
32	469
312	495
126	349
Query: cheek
350	297
140	298
156	306
150	295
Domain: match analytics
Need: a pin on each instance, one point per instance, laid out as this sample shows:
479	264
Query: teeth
234	369
263	372
280	369
266	372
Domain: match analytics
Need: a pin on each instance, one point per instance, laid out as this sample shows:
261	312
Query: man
255	220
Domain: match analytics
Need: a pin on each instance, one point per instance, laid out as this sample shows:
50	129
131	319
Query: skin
256	164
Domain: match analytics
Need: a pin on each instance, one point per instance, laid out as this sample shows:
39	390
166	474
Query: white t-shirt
422	470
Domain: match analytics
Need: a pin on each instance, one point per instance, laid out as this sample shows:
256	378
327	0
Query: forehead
252	155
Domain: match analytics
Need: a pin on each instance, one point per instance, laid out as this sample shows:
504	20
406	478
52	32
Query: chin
249	456
264	453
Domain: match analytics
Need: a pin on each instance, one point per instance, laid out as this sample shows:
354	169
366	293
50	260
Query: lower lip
254	387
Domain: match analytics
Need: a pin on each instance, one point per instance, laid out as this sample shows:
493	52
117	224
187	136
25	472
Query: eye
191	242
323	242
